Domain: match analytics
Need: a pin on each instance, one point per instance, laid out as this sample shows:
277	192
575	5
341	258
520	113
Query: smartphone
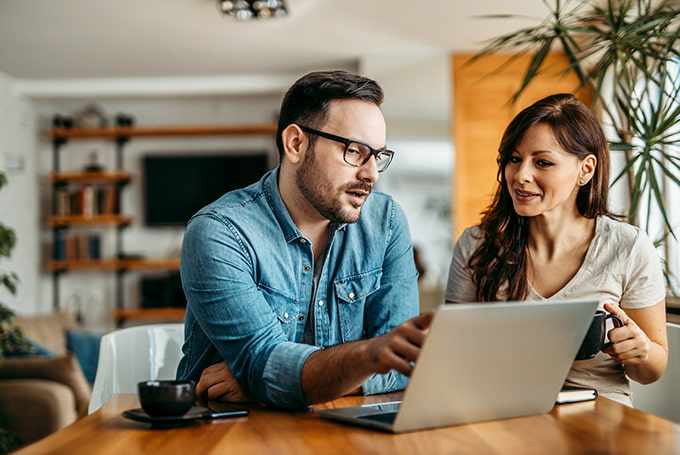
231	413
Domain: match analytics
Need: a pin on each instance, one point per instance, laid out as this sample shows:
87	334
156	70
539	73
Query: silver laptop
484	361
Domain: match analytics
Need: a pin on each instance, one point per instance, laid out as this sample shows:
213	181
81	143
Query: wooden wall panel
481	111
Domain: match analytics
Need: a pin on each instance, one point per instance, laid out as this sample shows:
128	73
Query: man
299	286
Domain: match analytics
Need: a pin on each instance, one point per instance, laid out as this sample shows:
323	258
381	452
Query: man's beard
317	189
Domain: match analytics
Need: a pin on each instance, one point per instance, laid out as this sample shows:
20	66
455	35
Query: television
177	186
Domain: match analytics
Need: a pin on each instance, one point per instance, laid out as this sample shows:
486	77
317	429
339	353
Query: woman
549	235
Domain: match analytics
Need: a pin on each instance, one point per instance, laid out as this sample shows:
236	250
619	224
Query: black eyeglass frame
346	142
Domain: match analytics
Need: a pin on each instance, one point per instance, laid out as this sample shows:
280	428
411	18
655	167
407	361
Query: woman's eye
543	163
515	159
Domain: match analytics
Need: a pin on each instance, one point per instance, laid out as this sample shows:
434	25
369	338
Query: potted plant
628	53
11	337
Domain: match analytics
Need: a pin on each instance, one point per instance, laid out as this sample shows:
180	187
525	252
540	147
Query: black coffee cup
596	339
166	398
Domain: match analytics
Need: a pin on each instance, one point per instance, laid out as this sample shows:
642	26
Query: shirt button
307	268
285	315
301	318
320	302
350	295
303	241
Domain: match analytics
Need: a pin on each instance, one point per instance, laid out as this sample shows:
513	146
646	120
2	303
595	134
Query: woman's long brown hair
499	265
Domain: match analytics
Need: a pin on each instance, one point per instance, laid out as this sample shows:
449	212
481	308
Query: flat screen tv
176	186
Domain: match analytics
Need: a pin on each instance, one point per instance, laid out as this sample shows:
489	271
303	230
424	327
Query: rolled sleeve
382	383
282	374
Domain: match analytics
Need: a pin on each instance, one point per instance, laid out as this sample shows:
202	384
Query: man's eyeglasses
356	153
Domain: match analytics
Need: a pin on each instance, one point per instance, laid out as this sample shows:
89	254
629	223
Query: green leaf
8	240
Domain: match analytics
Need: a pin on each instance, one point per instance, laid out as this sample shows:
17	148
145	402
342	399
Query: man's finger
424	320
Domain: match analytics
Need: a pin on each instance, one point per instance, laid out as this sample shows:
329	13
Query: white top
621	267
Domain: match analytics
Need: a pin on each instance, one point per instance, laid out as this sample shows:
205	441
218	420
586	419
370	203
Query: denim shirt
247	275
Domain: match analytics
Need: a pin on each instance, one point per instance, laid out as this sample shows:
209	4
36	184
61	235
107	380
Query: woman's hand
641	344
629	343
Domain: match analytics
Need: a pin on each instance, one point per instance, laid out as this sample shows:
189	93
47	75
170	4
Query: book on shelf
86	200
74	246
59	246
574	394
109	200
63	202
94	246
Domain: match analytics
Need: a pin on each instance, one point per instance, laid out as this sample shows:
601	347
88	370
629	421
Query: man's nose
369	171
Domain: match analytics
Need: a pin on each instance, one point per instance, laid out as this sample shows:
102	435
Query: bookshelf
90	200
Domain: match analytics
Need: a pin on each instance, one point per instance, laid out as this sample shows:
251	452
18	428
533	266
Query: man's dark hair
306	101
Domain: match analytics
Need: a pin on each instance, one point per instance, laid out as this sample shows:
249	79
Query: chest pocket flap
357	287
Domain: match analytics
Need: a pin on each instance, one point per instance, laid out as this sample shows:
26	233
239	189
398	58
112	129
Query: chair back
662	398
130	355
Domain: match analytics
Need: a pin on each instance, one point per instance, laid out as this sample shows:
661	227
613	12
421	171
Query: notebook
484	361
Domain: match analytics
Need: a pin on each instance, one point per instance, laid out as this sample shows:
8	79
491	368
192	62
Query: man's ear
295	143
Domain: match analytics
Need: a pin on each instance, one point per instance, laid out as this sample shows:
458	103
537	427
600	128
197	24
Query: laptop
483	361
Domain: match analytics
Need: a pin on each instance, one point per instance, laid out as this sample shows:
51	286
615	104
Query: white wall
18	200
417	93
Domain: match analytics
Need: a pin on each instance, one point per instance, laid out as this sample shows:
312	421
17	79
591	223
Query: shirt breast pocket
286	309
351	294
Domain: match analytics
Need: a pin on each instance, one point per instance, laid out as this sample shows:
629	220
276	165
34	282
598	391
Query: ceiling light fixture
244	10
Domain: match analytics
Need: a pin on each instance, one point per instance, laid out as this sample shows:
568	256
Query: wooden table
597	427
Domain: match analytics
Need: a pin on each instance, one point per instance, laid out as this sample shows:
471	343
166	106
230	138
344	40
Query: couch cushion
64	369
36	408
48	330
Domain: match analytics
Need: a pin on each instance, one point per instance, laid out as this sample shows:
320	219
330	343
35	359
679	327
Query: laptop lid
485	361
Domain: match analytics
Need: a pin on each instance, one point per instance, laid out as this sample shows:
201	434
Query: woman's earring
581	182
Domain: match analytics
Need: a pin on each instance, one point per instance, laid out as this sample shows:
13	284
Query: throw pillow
85	346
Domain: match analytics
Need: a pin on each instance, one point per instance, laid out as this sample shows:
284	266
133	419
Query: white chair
662	398
128	356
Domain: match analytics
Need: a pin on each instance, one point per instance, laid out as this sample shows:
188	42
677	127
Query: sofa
42	394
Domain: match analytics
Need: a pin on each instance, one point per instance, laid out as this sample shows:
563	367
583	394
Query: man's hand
399	348
341	369
217	383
